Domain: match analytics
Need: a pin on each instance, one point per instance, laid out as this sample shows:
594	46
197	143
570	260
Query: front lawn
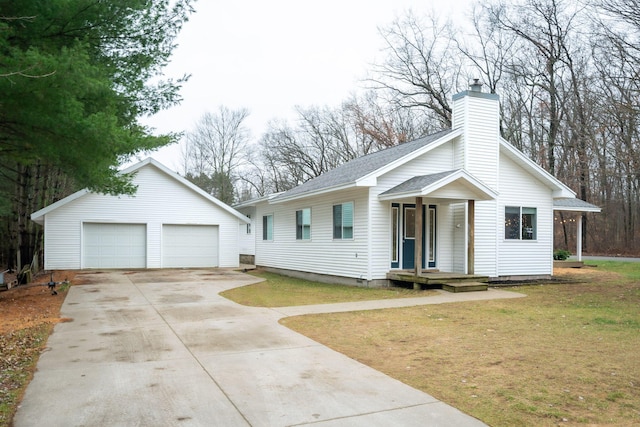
568	354
283	291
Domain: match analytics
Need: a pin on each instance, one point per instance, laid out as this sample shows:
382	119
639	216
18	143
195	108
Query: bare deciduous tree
422	69
215	151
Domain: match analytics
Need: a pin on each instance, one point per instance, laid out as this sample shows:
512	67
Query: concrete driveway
160	348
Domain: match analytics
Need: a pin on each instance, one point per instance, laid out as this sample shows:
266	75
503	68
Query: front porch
434	279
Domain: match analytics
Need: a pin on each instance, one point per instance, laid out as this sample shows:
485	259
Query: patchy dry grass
283	291
565	355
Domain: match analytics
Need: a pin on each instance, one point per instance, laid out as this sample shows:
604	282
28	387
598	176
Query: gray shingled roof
574	204
359	167
418	182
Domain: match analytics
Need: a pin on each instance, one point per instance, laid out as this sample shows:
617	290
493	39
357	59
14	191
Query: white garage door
114	245
189	246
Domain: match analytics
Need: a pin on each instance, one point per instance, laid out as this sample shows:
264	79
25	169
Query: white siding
485	238
380	232
159	200
479	117
247	236
458	254
321	254
524	257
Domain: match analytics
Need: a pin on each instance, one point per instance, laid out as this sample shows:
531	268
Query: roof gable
441	184
560	190
38	216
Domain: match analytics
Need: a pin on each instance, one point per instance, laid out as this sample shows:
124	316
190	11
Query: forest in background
566	72
77	76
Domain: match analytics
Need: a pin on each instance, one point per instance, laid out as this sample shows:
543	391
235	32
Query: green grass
283	291
630	270
565	355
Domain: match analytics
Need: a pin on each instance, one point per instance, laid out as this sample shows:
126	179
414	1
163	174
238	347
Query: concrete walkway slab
443	297
163	348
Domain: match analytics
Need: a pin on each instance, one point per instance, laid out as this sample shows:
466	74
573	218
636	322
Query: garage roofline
38	216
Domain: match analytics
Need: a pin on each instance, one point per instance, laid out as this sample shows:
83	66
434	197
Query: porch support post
418	238
579	238
471	245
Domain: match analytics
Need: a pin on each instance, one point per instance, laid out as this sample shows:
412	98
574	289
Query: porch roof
453	184
576	205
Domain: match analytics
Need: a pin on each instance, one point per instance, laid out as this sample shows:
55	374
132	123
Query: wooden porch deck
433	279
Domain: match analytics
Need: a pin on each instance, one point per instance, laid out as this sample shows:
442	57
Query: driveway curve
162	348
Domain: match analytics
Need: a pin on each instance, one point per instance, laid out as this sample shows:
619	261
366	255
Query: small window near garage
249	225
303	224
520	223
267	227
343	221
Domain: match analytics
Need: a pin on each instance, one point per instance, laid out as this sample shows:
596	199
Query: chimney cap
476	86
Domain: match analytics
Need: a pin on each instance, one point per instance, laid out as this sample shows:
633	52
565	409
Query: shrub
561	254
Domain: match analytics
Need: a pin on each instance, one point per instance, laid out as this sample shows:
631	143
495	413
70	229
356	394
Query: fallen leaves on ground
27	315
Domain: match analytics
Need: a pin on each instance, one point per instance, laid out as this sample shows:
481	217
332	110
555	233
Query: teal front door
408	236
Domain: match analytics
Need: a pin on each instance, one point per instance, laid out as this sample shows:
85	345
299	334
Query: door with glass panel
403	239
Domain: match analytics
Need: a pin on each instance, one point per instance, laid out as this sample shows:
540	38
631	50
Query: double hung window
343	221
267	227
303	224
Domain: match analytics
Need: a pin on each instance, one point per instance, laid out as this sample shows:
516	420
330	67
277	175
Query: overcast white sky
269	56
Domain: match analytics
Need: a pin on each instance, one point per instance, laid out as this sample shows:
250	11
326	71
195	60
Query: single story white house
462	200
168	223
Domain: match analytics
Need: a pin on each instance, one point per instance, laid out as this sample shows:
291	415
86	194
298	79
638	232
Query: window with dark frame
520	223
267	227
343	221
303	224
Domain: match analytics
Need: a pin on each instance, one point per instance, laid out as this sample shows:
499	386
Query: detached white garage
168	223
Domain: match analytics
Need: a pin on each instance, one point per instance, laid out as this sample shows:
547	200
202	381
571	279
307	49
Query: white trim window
249	225
267	227
303	224
520	223
343	221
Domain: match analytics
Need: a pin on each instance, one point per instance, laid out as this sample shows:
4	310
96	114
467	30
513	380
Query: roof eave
595	209
256	201
38	216
312	193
